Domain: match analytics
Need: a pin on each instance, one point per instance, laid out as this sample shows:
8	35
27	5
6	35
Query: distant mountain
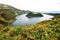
53	12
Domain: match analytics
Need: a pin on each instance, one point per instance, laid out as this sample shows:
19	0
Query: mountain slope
8	13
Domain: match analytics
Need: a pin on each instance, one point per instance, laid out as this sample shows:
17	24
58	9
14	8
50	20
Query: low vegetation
46	30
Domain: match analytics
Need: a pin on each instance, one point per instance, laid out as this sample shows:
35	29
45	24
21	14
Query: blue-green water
23	20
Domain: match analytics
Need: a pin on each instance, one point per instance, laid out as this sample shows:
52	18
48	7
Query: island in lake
44	26
30	15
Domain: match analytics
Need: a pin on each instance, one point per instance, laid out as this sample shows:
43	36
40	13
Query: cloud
34	5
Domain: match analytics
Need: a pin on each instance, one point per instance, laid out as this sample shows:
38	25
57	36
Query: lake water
23	20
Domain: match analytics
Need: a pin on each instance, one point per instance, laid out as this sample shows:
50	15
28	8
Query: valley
45	30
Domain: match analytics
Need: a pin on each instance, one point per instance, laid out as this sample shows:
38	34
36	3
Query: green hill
46	30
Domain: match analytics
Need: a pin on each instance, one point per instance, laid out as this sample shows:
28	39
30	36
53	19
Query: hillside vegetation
46	30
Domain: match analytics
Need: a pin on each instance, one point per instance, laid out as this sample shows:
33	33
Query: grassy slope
46	30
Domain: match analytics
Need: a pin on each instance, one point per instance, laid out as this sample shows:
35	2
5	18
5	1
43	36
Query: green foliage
7	14
31	14
46	30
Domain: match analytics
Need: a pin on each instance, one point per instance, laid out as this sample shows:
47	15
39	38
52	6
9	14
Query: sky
34	5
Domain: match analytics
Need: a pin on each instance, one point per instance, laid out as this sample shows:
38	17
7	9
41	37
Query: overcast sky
35	5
